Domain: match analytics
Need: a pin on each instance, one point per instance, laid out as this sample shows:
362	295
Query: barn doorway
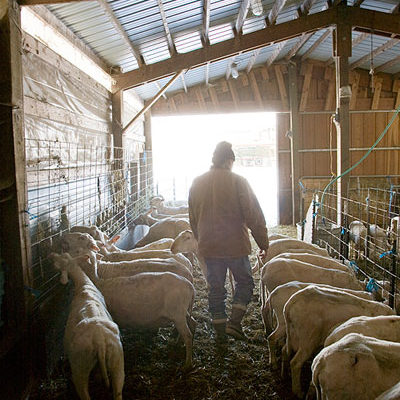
183	147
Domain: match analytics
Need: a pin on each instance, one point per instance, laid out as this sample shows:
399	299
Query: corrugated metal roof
144	25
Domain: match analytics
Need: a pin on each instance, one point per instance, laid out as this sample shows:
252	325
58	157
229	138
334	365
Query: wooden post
149	152
294	142
117	118
14	237
342	53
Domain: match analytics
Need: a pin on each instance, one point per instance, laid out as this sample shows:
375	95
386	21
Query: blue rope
361	159
354	266
385	253
372	286
36	293
33	216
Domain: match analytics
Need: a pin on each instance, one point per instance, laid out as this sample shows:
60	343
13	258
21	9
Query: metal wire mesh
372	249
72	184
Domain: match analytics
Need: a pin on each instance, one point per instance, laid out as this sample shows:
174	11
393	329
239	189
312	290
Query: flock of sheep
310	302
315	308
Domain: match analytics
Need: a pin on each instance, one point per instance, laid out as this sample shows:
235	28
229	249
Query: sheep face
184	243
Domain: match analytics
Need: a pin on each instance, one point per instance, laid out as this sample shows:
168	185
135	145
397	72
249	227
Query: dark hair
223	152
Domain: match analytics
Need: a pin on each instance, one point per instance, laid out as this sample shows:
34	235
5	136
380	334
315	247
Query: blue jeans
216	276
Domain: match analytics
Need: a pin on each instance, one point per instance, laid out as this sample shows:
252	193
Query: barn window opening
183	147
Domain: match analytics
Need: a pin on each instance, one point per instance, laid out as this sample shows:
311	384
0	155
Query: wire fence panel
368	238
72	184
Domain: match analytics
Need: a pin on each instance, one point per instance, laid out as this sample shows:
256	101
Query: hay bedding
153	361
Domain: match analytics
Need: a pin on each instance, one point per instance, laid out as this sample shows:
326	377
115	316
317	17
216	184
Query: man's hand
263	255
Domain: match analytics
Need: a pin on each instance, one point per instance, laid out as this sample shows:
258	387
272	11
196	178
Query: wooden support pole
152	101
294	142
117	118
14	232
342	53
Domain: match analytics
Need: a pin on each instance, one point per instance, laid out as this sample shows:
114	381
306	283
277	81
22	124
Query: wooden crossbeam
357	3
360	38
206	22
244	9
389	44
282	86
300	43
253	60
152	101
273	14
184	83
171	44
320	40
396	88
119	28
159	89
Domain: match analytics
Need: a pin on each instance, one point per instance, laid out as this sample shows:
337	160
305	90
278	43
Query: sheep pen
153	361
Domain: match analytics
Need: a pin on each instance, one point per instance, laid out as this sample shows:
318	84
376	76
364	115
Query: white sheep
158	203
91	336
310	315
149	299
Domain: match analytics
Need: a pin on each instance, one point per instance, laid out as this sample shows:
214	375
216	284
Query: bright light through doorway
183	147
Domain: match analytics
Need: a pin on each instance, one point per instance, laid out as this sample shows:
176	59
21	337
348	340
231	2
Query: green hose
361	159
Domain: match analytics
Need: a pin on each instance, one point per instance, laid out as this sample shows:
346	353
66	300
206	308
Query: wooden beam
319	41
360	38
395	9
121	31
343	52
14	240
297	46
306	87
229	68
207	78
200	99
152	101
282	86
278	48
396	88
255	89
389	44
234	94
226	49
117	119
214	97
377	92
357	3
252	60
275	10
184	83
388	64
305	7
244	9
354	91
294	141
159	89
206	22
171	44
330	96
39	2
49	18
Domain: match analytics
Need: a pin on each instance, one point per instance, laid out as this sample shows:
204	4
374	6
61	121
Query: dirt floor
153	361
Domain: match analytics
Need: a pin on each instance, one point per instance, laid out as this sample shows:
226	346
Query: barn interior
84	84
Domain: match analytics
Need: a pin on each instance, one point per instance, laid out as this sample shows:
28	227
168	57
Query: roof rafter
229	68
47	16
38	2
381	23
184	83
253	60
206	21
278	48
273	14
387	64
159	89
297	46
118	27
305	8
207	73
357	3
389	44
320	40
244	9
171	44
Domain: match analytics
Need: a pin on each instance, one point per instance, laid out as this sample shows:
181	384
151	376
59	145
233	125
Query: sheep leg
80	369
185	333
117	372
275	339
284	362
296	364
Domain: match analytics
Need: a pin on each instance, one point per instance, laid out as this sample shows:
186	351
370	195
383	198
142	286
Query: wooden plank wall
265	89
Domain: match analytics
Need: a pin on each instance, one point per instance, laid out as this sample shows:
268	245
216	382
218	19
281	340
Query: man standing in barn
222	208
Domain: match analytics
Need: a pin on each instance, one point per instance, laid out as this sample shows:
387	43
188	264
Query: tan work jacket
222	208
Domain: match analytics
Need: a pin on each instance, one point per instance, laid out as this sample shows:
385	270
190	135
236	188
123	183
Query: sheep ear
115	239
